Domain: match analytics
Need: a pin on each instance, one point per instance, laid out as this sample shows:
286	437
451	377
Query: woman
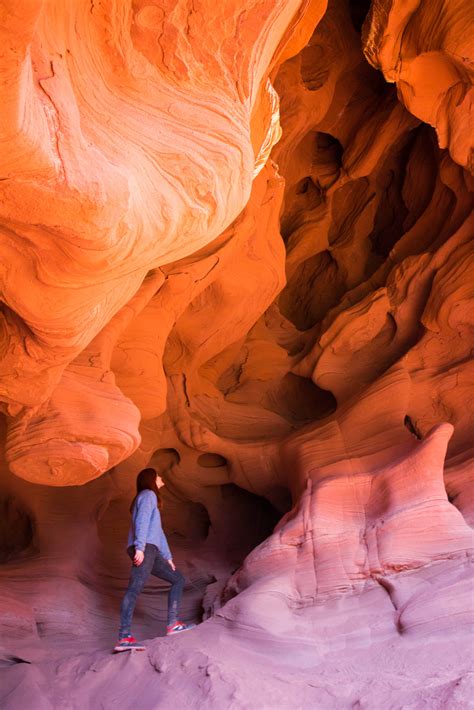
150	553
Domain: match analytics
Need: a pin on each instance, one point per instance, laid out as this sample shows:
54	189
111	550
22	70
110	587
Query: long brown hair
146	480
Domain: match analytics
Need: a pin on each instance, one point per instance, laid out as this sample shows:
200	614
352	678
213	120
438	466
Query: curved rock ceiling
236	245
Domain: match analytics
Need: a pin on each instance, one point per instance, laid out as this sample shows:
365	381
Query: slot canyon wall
236	245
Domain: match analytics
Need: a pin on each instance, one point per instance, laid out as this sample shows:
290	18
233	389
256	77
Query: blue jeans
154	563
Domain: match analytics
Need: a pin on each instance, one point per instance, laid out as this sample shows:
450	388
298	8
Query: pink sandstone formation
236	245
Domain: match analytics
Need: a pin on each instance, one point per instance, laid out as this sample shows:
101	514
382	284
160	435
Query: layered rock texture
236	245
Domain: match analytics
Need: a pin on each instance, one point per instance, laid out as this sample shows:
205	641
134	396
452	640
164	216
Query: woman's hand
138	557
172	565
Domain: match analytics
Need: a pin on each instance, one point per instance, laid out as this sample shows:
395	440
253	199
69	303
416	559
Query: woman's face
159	481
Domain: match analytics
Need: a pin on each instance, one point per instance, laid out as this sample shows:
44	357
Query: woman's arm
145	504
164	547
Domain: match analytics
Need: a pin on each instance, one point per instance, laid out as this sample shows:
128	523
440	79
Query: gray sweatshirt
146	525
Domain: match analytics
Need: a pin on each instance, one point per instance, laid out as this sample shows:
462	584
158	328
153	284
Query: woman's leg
162	570
138	577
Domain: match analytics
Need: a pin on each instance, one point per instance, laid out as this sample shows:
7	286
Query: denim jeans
154	563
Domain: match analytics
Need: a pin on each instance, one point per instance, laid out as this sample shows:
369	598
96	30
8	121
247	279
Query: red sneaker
128	643
177	627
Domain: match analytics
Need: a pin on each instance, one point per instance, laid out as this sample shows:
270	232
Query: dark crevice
328	158
359	10
211	461
303	186
16	529
257	515
411	427
300	401
315	287
393	216
165	457
10	660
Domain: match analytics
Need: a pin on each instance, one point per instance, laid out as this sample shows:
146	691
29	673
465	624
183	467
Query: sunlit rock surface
236	245
426	48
